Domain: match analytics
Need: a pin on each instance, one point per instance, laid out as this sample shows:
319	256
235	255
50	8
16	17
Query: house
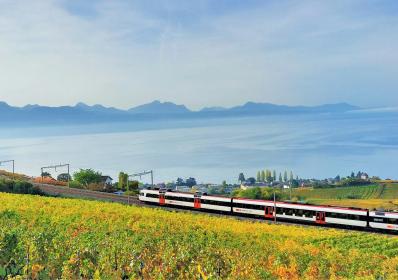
364	176
107	180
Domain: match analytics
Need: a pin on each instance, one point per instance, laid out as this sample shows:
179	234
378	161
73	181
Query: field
48	238
375	196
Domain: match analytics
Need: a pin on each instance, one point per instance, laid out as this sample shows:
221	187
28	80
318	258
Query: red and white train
293	212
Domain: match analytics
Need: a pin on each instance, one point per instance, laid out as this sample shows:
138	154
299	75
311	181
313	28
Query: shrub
16	186
75	184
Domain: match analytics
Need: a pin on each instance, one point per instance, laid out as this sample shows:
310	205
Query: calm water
214	150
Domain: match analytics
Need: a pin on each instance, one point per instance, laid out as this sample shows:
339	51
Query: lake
212	150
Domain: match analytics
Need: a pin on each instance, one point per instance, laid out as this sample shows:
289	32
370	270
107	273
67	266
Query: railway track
132	200
79	193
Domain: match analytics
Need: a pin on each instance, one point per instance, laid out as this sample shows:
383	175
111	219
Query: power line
55	168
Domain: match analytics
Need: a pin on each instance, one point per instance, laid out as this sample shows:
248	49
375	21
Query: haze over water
313	146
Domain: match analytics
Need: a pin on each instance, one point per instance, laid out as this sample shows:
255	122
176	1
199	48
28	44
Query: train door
196	201
320	218
162	198
269	211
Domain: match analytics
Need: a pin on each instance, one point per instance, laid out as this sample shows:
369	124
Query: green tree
280	177
241	177
64	177
285	176
291	176
45	174
133	186
269	176
87	177
274	175
262	176
122	184
258	176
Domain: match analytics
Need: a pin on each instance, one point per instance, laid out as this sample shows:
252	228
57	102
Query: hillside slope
377	196
71	239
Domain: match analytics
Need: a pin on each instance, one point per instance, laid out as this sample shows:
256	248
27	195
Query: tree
280	177
241	177
285	176
268	176
133	186
190	182
337	178
180	182
258	176
352	174
294	183
224	183
262	176
251	181
45	174
274	175
87	177
64	177
123	177
291	176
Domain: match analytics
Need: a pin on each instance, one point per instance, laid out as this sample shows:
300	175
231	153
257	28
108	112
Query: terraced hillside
54	238
377	196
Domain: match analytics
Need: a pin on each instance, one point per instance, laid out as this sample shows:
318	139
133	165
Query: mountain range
83	113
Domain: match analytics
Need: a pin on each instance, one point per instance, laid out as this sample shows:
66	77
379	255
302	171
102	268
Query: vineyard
53	238
370	197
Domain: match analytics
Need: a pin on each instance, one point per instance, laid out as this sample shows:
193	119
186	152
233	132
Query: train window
331	214
289	211
279	210
299	212
378	220
309	213
215	202
184	199
392	221
152	195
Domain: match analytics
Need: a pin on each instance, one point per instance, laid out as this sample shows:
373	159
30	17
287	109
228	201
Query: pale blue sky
200	53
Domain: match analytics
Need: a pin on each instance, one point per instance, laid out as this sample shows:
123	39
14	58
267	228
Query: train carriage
215	203
189	200
150	196
301	212
383	220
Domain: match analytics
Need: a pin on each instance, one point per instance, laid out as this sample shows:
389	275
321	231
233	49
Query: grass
54	238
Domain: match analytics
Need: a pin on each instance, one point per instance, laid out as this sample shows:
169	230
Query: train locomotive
284	211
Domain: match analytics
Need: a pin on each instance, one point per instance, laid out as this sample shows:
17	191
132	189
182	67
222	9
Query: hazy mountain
213	109
272	108
83	113
98	108
157	107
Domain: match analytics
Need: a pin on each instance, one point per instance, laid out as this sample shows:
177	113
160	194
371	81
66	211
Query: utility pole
274	206
13	165
140	174
67	165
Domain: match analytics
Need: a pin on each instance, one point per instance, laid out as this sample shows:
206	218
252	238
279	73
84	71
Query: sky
198	53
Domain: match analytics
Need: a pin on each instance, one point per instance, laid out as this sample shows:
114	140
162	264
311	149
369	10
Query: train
284	211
